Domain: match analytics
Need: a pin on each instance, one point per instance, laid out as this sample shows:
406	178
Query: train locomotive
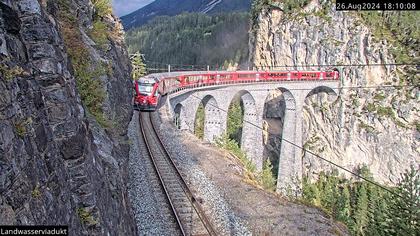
149	89
146	96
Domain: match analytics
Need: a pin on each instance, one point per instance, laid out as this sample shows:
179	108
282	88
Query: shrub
355	102
266	177
99	33
8	73
20	129
86	217
103	7
199	122
379	97
108	68
385	111
36	193
235	120
399	29
92	92
232	146
310	144
368	128
370	107
256	8
85	71
292	5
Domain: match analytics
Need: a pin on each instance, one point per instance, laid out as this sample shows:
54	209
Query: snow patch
211	5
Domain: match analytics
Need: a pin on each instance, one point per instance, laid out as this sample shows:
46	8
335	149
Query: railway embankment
233	204
148	200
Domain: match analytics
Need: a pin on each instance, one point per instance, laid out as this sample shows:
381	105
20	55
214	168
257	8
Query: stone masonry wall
254	96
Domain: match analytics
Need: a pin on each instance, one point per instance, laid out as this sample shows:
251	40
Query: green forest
365	208
193	39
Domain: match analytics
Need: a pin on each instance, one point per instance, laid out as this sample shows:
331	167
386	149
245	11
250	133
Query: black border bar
377	5
33	230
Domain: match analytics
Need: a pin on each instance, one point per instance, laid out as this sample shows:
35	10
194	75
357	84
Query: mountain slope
174	7
193	39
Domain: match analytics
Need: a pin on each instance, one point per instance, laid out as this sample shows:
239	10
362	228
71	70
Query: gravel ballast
234	206
217	209
237	205
147	199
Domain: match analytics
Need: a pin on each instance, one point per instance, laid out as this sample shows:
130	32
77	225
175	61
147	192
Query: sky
123	7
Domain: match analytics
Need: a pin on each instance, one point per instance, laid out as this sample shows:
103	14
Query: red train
150	88
147	95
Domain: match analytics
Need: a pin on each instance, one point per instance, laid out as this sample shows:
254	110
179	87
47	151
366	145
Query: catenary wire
314	154
294	66
338	88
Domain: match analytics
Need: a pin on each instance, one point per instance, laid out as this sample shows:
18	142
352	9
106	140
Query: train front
147	96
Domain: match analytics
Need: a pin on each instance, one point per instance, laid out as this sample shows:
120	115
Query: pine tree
360	217
320	186
378	204
330	193
266	177
343	205
308	190
235	121
139	68
404	211
199	122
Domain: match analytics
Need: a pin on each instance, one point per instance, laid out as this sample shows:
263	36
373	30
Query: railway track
189	218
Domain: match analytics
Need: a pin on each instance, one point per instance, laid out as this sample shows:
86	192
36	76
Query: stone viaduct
216	100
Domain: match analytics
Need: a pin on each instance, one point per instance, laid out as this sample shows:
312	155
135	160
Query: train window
145	88
313	75
278	74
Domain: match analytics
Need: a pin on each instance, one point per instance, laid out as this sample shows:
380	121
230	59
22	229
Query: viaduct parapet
216	100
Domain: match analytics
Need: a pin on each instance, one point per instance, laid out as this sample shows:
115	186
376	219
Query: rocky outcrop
371	125
58	164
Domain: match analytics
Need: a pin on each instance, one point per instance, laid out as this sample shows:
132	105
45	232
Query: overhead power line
295	66
312	153
344	87
341	65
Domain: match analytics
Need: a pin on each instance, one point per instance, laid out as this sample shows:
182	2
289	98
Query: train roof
148	79
158	76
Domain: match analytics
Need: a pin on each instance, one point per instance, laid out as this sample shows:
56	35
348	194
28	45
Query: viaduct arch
217	100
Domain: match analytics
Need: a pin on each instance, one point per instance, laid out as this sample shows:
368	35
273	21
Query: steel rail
160	177
197	208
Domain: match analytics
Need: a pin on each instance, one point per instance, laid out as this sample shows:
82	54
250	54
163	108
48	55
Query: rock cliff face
371	125
58	164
